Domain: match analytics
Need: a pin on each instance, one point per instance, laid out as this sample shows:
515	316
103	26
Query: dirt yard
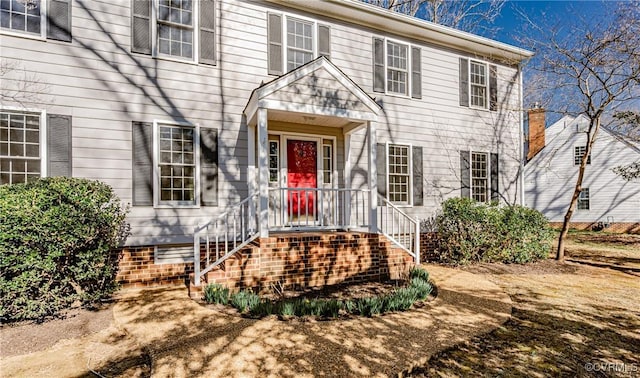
581	318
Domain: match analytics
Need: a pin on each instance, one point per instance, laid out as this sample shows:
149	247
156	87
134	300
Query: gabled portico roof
317	88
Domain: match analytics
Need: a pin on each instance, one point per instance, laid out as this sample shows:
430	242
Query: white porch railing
318	208
399	227
224	236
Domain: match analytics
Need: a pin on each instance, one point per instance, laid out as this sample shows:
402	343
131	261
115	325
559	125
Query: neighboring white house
277	115
607	200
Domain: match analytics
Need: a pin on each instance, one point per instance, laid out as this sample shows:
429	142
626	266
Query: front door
302	172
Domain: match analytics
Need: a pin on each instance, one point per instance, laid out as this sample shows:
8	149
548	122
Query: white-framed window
584	200
397	59
274	161
327	162
578	153
300	46
21	146
479	176
23	17
175	28
478	84
399	173
176	158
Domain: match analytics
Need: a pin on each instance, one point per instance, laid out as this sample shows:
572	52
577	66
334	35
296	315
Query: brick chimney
536	131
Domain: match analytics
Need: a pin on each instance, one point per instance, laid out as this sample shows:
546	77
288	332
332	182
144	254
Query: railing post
417	248
196	256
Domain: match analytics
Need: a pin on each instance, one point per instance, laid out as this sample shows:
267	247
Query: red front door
302	172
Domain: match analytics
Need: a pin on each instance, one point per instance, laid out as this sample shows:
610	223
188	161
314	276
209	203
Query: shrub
57	238
245	300
470	231
216	293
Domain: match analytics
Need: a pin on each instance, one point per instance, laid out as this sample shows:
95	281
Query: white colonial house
607	201
233	127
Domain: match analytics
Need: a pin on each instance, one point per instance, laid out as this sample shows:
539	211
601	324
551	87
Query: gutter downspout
521	136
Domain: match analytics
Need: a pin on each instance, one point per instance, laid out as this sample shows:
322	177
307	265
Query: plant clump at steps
417	289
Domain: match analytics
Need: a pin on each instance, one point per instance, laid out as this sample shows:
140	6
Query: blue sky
510	22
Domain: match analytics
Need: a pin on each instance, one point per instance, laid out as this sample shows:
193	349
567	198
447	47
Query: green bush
245	300
216	293
470	231
57	238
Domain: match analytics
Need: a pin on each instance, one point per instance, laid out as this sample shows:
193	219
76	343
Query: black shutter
416	73
378	65
274	32
141	26
209	167
142	140
58	145
381	167
465	175
418	177
324	41
207	32
493	87
495	190
59	20
464	82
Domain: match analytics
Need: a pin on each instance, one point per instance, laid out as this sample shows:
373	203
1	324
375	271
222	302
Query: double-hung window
177	164
397	68
22	16
20	156
584	199
327	161
479	176
478	84
176	28
578	153
274	161
399	170
299	42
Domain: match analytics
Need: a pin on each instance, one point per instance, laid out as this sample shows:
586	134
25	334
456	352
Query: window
397	68
176	162
175	28
299	43
294	41
327	162
583	199
274	160
19	147
479	176
399	173
478	82
24	16
578	153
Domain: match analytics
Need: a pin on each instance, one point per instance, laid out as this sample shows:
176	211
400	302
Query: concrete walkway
171	335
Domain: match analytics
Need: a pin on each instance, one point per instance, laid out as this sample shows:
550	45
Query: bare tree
592	68
474	16
628	127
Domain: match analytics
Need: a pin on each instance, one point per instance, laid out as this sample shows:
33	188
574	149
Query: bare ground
580	318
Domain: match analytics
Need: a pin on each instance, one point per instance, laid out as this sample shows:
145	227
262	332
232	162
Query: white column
347	179
373	177
251	172
263	174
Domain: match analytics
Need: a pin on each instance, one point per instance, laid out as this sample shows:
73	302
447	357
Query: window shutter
209	167
417	176
142	139
59	145
416	72
324	41
378	65
207	32
141	26
493	87
381	166
59	20
464	82
274	31
465	175
495	191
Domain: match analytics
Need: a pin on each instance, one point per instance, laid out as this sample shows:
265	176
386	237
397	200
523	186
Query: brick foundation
291	260
428	246
619	228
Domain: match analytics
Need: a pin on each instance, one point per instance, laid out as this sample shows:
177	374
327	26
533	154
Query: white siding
104	87
551	175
